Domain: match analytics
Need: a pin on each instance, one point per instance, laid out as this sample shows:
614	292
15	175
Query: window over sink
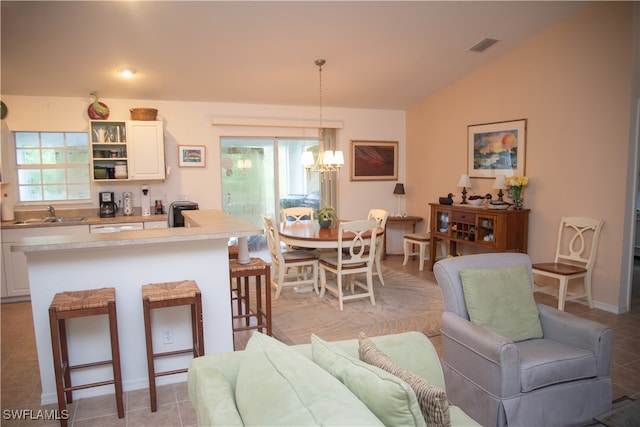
52	166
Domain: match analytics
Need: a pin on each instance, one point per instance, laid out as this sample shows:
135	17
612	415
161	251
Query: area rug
405	303
625	413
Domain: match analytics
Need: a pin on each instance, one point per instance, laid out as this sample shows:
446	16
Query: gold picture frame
374	160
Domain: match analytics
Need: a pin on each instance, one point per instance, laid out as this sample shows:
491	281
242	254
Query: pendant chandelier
328	161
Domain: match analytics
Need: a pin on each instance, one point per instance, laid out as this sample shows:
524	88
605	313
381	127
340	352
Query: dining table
308	234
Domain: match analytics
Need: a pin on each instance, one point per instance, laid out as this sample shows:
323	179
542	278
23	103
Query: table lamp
499	185
464	182
399	192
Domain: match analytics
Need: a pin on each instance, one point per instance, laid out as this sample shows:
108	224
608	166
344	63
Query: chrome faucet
51	210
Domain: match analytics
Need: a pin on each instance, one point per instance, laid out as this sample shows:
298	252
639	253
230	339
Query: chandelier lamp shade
328	161
464	182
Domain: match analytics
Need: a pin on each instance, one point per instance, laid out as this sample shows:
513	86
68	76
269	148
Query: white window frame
65	167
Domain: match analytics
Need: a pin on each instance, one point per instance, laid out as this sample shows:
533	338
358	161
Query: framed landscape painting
374	160
496	149
191	156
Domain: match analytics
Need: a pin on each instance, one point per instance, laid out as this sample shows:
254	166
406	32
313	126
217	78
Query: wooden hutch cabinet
498	230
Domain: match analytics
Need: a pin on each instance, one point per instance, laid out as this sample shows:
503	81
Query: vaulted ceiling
380	54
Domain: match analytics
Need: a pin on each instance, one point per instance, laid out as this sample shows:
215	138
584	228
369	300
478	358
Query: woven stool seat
170	290
82	300
73	305
163	295
255	264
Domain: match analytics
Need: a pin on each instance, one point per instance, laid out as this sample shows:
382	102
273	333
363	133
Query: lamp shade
399	189
498	184
307	159
338	158
465	181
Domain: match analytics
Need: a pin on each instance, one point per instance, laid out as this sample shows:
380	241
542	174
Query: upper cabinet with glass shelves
127	150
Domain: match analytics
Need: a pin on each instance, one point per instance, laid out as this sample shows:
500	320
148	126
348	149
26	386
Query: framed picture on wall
497	149
191	156
374	160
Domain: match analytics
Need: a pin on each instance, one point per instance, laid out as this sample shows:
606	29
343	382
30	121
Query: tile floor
20	385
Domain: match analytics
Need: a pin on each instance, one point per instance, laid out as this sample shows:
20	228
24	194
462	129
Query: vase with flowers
515	185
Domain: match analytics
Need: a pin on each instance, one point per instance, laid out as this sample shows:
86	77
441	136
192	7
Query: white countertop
206	225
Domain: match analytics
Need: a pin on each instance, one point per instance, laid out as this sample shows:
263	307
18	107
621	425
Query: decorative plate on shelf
3	110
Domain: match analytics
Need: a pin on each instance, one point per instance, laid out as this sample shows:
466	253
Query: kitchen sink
50	219
31	221
66	219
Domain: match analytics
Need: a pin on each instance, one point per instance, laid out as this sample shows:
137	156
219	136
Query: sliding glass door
262	175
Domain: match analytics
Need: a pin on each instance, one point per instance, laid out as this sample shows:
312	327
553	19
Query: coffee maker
108	207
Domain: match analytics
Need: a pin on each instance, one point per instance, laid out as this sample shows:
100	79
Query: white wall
189	123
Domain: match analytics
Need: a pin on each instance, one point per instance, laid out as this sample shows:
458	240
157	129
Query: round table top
310	234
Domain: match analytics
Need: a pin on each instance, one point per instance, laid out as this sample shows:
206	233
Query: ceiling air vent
483	45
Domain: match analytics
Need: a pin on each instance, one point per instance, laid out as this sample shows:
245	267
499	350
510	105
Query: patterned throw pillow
433	400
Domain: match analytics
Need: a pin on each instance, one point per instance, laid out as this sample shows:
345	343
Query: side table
403	221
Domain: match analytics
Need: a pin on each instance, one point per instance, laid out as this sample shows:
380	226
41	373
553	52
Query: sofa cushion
432	400
501	299
276	385
387	396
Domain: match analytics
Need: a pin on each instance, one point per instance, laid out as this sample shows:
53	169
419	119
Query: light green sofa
213	381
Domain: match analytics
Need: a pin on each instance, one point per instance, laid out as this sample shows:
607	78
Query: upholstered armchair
559	375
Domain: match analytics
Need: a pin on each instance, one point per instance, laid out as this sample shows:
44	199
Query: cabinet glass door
486	227
442	221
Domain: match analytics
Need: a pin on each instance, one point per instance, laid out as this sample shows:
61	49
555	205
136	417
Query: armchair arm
577	332
487	359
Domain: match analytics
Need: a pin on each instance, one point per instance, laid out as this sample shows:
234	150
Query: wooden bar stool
171	294
240	293
68	305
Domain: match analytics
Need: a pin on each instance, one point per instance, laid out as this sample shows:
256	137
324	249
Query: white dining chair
381	216
289	268
355	255
575	257
297	214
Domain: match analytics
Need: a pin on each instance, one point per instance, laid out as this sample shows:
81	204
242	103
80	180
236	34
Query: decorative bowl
476	202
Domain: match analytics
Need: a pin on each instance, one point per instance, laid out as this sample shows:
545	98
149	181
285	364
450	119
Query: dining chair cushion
432	400
501	299
391	399
292	390
299	255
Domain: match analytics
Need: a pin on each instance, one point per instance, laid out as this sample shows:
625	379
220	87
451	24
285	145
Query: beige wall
573	85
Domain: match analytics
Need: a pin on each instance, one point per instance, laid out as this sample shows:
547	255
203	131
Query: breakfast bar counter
126	261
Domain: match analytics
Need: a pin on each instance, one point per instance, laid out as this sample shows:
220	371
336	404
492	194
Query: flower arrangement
516	184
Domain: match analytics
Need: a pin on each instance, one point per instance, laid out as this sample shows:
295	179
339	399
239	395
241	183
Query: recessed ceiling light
127	72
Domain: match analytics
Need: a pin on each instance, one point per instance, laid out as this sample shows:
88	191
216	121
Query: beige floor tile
167	415
187	414
140	399
98	406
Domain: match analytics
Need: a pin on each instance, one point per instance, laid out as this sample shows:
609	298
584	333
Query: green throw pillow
501	299
432	400
277	385
387	396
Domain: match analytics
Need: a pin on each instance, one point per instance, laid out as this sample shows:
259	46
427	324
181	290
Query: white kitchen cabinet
150	225
14	264
146	150
127	150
